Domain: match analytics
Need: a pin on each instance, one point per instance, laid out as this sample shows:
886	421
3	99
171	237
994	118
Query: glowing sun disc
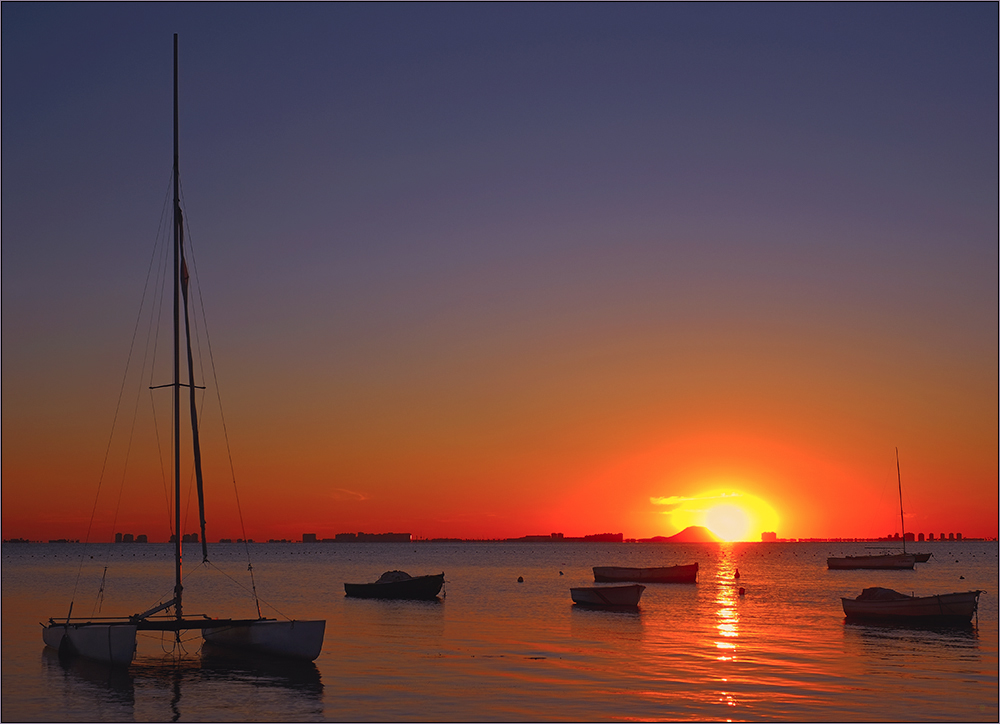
728	521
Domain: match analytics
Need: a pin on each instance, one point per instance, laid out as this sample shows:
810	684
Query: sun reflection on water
727	614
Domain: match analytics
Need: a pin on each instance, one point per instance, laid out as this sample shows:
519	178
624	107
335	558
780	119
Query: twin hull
114	643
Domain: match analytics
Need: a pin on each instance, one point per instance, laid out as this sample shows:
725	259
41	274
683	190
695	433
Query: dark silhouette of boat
888	561
887	604
398	585
666	574
892	561
608	596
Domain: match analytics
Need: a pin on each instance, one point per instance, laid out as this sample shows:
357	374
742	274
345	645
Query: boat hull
111	643
419	588
301	640
895	606
668	574
899	561
608	596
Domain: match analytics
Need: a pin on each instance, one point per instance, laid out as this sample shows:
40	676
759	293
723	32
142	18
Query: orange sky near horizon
490	271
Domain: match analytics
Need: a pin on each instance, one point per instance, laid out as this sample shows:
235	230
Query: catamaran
112	640
887	561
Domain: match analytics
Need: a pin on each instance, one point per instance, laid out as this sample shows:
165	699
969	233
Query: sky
494	270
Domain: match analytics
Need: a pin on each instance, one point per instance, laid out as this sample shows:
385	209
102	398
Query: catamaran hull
946	608
291	639
109	643
891	562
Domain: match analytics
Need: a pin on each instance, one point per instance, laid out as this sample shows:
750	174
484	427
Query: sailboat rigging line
218	395
118	403
156	317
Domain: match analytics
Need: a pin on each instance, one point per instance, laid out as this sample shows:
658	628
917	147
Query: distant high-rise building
768	537
308	537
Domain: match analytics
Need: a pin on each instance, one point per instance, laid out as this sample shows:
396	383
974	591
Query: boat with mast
112	640
886	561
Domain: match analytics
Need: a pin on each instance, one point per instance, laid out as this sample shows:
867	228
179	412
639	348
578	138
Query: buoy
737	573
560	573
520	579
961	578
743	591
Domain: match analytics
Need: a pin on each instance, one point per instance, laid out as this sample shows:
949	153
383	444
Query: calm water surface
496	649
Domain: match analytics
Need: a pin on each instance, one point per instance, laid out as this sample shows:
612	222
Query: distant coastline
693	534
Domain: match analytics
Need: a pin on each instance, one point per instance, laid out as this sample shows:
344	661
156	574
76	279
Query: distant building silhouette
768	537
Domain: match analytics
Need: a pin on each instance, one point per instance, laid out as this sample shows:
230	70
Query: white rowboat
608	596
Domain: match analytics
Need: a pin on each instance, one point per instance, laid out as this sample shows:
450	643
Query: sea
760	637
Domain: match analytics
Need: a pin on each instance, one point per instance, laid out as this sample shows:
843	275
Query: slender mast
899	481
177	359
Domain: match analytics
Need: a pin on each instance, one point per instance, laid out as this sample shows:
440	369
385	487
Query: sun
731	515
728	521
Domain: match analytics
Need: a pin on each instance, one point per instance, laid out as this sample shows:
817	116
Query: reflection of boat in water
666	574
117	681
398	585
113	639
885	603
608	596
295	675
889	561
893	561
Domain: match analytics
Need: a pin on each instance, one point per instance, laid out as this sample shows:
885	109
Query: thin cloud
674	501
343	494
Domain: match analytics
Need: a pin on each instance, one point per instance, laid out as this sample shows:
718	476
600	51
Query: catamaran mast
177	358
899	481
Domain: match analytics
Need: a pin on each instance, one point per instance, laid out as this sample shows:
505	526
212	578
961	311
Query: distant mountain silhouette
691	534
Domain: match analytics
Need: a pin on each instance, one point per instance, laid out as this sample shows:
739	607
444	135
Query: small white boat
666	574
608	596
895	561
885	603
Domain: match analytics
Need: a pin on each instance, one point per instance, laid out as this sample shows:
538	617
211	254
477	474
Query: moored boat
667	574
887	604
895	561
398	585
112	640
608	596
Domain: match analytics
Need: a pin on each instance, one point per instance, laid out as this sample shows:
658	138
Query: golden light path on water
727	615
